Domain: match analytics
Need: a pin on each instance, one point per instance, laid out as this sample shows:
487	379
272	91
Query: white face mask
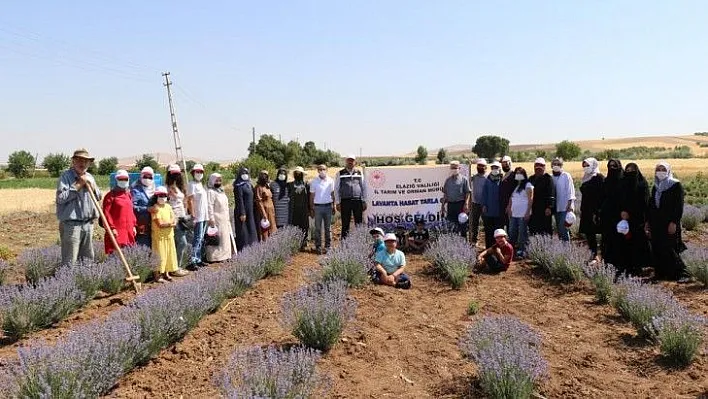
322	174
556	168
146	182
519	177
161	200
281	177
494	171
198	176
662	175
587	169
244	176
122	183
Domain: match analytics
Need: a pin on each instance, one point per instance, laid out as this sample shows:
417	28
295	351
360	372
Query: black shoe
405	284
192	267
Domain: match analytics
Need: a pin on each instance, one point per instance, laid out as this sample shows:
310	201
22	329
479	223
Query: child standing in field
163	236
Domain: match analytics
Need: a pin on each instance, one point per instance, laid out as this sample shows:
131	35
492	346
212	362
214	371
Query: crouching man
390	265
498	257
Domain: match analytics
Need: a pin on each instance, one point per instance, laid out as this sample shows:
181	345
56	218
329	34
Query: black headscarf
239	181
613	178
282	183
635	180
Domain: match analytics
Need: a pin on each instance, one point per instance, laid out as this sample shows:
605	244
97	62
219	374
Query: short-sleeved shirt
508	252
322	189
391	262
456	188
419	235
379	246
201	205
520	201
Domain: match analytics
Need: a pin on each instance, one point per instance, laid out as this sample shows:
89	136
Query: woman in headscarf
633	194
281	198
118	208
592	195
175	197
299	214
264	205
664	224
218	215
610	213
244	217
142	191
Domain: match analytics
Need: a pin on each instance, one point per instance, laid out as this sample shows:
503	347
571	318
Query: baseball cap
390	237
376	230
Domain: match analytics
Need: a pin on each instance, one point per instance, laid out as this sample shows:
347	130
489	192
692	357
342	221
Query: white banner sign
402	195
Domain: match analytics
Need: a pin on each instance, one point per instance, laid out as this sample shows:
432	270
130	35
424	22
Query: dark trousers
351	207
453	210
491	223
539	223
592	243
475	215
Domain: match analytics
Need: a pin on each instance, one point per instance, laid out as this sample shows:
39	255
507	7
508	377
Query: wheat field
681	167
26	200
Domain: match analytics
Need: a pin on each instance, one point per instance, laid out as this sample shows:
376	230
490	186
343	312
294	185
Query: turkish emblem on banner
377	179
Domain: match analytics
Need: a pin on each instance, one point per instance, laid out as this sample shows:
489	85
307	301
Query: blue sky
380	76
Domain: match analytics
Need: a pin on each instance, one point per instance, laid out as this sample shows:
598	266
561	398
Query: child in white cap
498	257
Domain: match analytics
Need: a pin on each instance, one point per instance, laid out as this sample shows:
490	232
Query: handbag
211	237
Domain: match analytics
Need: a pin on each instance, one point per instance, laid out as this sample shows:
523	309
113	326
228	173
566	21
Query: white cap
161	190
462	218
351	156
499	233
623	227
482	161
390	237
506	158
174	168
122	173
198	167
299	169
377	230
570	219
539	161
495	164
454	163
147	171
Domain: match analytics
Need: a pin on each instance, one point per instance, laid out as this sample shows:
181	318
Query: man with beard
544	199
506	188
479	180
491	210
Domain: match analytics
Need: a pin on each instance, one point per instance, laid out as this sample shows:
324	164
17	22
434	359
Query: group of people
638	228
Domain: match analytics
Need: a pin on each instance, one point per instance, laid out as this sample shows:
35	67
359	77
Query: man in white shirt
565	197
322	207
198	207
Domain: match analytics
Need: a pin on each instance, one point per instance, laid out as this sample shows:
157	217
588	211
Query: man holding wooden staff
75	210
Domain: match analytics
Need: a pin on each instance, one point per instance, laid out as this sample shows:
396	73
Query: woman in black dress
592	195
664	225
244	218
299	214
610	213
634	194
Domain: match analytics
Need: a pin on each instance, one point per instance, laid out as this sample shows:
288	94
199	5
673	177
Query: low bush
472	308
602	277
349	261
273	373
679	334
39	263
562	260
317	314
692	217
696	260
140	260
4	267
507	354
452	257
643	303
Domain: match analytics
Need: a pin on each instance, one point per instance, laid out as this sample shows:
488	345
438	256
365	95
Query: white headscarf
663	185
212	180
595	165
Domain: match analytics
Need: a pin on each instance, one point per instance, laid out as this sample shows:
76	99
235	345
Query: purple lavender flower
40	262
142	262
562	260
680	335
349	261
507	353
452	257
4	267
642	303
99	251
696	260
692	217
317	314
602	277
273	373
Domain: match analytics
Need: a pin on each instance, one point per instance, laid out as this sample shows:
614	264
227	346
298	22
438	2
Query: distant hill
692	141
164	158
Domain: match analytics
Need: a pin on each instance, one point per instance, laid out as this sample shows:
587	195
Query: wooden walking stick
132	278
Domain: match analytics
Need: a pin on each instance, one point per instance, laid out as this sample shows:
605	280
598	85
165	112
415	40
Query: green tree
212	167
293	154
421	155
442	157
255	163
568	150
106	166
190	164
146	160
490	146
271	149
309	152
20	163
56	163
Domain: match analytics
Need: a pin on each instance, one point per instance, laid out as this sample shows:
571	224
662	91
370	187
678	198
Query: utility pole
253	140
175	132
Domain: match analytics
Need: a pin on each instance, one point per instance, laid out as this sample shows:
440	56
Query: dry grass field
26	200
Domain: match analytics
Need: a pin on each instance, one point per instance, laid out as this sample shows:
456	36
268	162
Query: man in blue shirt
390	265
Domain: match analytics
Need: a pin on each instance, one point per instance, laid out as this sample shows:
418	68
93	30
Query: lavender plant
562	260
349	261
679	334
141	261
602	277
39	263
99	251
692	217
704	209
539	249
642	303
273	373
696	260
507	354
4	267
111	276
452	257
317	314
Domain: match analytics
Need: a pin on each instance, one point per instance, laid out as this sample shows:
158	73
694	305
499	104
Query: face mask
244	176
662	175
454	172
322	174
217	185
122	183
146	182
519	177
587	169
198	176
556	168
161	200
281	177
494	172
